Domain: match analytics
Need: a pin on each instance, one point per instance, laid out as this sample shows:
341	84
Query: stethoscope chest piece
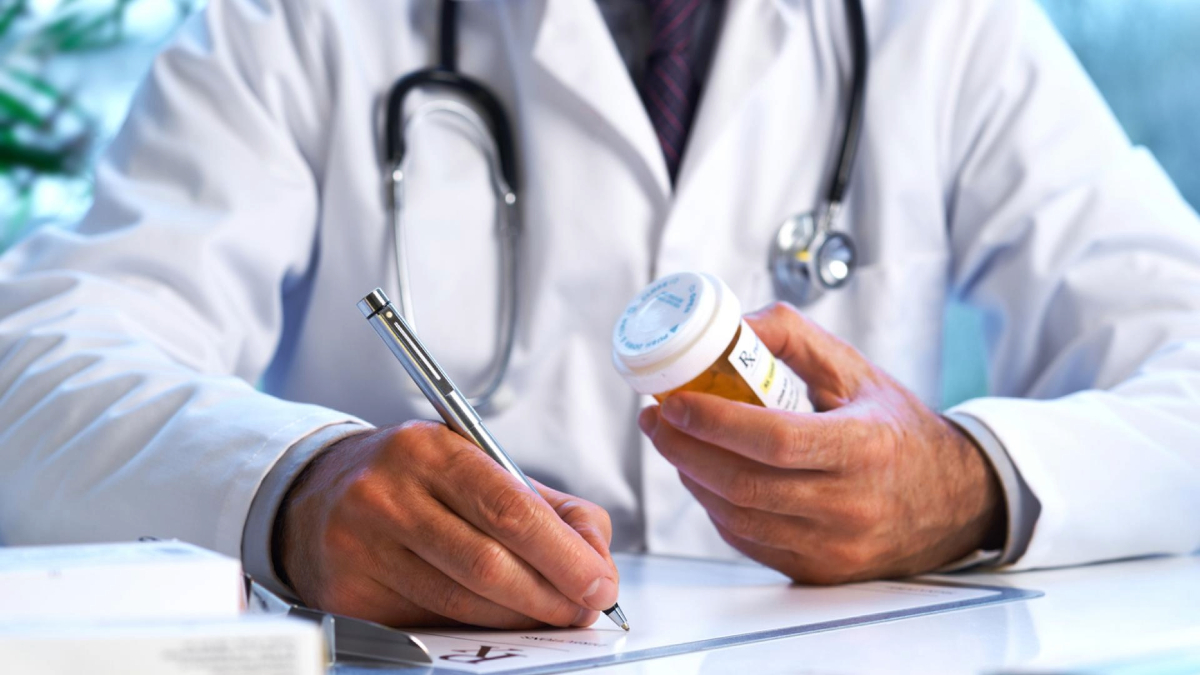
809	258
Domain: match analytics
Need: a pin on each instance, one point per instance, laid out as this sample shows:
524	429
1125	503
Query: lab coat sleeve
129	345
1085	263
1020	503
260	543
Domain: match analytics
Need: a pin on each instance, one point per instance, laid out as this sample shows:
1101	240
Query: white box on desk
247	646
128	581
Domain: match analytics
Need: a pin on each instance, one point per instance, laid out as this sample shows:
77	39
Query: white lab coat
239	217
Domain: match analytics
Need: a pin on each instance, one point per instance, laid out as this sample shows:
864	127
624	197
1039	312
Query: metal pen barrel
432	380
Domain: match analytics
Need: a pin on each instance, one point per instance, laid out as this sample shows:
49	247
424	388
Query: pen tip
625	626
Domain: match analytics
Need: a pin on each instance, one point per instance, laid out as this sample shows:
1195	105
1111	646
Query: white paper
677	605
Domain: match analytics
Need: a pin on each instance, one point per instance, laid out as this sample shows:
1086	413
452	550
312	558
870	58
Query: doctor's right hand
415	526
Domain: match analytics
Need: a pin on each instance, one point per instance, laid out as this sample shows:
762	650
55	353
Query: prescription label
776	386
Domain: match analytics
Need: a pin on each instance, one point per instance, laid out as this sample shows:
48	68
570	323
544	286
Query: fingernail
582	618
648	421
601	595
675	411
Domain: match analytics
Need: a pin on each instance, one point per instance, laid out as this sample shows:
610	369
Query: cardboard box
247	646
129	581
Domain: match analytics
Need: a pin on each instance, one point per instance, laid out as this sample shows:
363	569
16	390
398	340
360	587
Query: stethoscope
808	256
489	129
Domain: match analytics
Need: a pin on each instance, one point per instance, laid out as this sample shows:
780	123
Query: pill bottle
685	332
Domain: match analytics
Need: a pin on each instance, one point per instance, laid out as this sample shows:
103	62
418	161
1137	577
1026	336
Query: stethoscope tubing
487	116
445	75
508	219
852	134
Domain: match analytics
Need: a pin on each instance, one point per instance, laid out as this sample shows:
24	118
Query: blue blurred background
69	67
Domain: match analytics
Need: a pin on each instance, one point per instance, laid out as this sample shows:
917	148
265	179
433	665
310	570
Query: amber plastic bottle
685	333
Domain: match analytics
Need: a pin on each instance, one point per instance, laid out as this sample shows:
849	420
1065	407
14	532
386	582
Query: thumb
833	370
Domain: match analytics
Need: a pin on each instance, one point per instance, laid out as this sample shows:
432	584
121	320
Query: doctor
239	217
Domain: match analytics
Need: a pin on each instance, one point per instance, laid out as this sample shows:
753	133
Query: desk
1087	613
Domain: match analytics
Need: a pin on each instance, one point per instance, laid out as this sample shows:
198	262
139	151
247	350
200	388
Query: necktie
670	89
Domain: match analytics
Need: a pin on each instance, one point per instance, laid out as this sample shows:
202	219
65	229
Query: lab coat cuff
1022	505
980	558
257	535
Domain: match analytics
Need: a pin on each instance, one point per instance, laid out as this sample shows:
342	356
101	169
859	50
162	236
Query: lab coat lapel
752	39
573	44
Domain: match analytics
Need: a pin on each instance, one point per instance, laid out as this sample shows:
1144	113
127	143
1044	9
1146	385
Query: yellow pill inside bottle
685	332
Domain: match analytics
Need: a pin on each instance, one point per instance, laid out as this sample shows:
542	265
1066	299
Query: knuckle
365	498
561	613
416	440
701	419
337	540
361	492
453	601
512	515
417	428
781	444
406	523
487	565
743	489
597	517
741	522
461	466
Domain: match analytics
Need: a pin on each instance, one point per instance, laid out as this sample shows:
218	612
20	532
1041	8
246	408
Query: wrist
287	546
987	525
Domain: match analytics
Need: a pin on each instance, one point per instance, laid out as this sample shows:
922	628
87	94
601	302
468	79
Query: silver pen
441	392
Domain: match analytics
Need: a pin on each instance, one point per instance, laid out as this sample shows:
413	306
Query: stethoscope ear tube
489	398
486	116
852	134
395	145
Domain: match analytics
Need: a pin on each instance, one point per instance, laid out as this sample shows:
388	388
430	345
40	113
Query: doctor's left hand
872	485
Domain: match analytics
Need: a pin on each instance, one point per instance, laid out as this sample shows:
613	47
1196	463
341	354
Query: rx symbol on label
748	359
485	654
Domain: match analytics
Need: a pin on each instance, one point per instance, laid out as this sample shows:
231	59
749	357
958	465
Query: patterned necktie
670	90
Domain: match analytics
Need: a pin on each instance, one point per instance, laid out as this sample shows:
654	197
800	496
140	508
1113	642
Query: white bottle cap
675	330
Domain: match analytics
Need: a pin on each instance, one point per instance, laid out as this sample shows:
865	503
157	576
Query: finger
365	597
590	520
432	590
814	441
506	510
803	567
475	560
425	589
761	527
737	479
832	369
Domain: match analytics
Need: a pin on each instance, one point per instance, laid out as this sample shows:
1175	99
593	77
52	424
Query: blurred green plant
44	130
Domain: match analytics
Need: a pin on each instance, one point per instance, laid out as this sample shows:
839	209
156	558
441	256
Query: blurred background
68	69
